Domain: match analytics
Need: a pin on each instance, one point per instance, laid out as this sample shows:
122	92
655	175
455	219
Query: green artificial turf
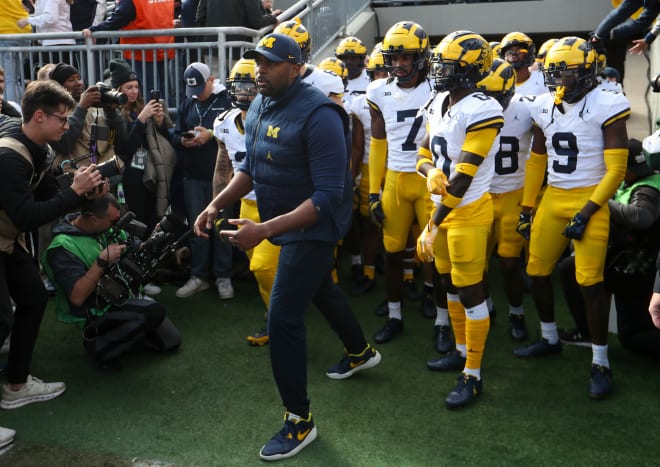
214	403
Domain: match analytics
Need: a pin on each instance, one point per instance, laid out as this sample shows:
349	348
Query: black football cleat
363	286
453	361
518	328
410	290
427	307
540	348
601	383
466	390
442	339
382	309
392	328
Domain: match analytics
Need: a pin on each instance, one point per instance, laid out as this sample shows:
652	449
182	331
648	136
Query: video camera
109	96
140	261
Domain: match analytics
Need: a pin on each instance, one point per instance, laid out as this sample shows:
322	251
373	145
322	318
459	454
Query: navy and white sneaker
352	363
291	439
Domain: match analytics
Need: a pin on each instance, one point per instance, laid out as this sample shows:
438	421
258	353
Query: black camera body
107	169
109	96
140	261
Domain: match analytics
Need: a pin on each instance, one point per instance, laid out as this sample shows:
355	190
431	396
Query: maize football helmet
500	83
495	47
353	53
570	65
295	30
406	38
460	60
336	66
525	46
242	83
375	63
543	50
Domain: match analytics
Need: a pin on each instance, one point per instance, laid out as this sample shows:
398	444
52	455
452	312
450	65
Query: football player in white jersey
331	85
518	49
353	53
229	130
457	160
507	185
580	140
396	132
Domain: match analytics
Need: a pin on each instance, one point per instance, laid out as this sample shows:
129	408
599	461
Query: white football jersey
228	128
357	86
447	134
533	86
515	142
326	81
360	108
404	122
574	139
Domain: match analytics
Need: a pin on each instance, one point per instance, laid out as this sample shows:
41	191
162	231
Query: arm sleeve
480	141
328	159
534	174
47	17
377	163
615	164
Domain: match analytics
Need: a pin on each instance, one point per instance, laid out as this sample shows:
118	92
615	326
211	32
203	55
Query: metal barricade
325	20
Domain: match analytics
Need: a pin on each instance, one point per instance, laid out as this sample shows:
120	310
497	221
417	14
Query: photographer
147	154
29	199
95	126
82	249
630	263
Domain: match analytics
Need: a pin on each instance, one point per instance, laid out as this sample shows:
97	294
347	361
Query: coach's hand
376	210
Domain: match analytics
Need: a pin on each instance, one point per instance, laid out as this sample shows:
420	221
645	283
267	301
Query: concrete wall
534	16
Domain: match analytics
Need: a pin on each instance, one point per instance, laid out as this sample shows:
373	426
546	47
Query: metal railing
324	19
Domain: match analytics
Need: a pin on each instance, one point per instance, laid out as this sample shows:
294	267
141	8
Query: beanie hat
62	72
120	73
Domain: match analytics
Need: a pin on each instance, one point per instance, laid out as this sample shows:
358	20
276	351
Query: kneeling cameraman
75	260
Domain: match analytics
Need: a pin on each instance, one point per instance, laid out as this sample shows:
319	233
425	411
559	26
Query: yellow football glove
436	182
425	242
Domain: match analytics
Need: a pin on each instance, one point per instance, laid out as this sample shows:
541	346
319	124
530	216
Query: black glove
575	228
524	227
376	210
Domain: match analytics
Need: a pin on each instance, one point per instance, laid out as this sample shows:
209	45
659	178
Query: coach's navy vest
276	145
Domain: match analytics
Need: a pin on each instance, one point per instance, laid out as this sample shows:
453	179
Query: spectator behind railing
52	16
12	12
133	15
7	107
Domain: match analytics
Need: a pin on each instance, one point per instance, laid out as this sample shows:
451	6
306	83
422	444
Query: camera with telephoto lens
140	261
109	96
64	179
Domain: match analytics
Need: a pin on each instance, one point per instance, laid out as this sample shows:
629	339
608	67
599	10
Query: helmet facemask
573	83
242	93
418	65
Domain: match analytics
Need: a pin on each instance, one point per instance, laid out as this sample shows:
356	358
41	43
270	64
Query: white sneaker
193	286
151	289
225	289
34	390
7	436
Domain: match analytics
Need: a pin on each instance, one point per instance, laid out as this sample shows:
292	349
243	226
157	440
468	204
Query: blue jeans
618	25
12	66
209	257
304	278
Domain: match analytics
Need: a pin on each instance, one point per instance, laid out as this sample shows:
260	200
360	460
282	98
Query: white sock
489	302
394	309
441	316
462	348
452	297
599	353
478	312
549	332
476	372
516	310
